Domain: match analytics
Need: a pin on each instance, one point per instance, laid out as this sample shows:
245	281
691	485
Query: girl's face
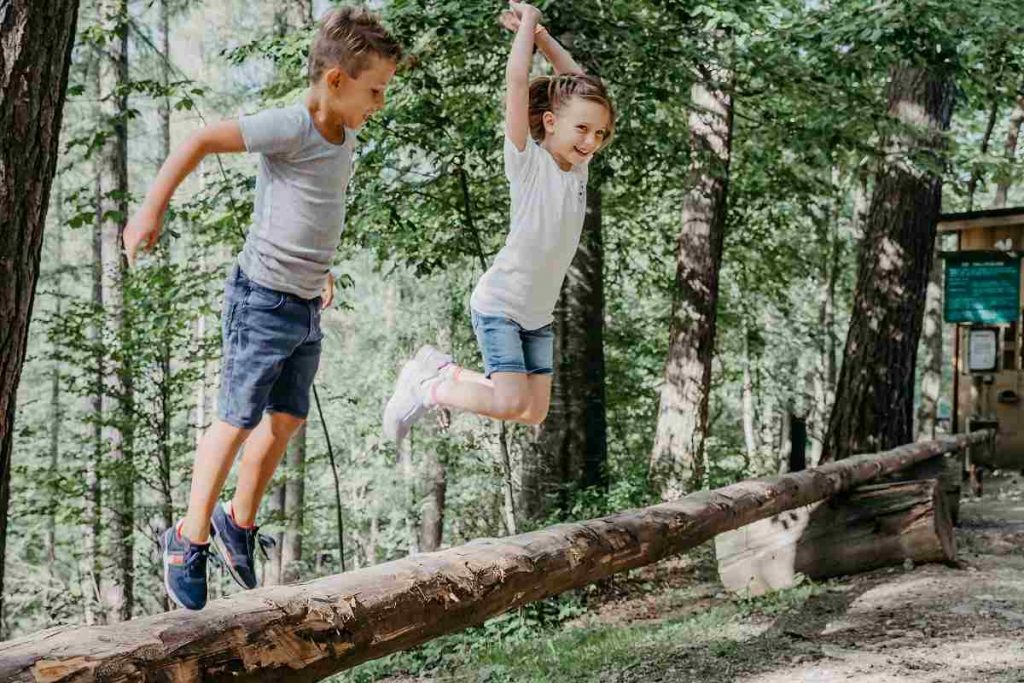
576	132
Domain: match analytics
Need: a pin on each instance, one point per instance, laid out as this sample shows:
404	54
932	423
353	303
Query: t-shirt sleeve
519	165
273	131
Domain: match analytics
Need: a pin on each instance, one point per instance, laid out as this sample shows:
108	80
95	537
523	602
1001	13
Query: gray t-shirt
299	211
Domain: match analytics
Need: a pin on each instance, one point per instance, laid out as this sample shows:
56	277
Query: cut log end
871	527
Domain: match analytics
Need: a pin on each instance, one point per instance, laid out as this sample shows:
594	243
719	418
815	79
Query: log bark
864	529
677	458
35	53
308	631
874	406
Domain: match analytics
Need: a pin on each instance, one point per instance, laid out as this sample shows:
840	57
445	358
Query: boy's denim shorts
508	347
271	352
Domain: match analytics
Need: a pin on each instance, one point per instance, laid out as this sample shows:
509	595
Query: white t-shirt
548	208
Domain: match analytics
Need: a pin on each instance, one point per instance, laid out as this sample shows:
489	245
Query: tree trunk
986	137
931	368
93	533
114	211
56	408
272	567
1010	151
313	629
432	507
165	466
294	504
875	396
571	447
747	403
35	53
677	459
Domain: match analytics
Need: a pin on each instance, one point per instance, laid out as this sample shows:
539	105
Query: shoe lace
254	539
196	553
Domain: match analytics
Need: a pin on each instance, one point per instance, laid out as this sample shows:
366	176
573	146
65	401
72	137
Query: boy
273	297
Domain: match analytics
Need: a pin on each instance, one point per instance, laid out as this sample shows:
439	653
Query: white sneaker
432	360
406	406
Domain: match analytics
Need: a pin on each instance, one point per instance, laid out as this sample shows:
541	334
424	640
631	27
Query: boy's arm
559	58
143	230
517	76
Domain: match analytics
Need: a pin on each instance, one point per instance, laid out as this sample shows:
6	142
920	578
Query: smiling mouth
581	152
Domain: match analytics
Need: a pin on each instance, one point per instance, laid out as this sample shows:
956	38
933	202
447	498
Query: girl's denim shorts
508	347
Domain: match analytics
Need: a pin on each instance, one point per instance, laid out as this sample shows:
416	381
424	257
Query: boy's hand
327	293
143	230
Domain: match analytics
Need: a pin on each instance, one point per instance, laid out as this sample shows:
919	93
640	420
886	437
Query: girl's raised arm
560	58
517	76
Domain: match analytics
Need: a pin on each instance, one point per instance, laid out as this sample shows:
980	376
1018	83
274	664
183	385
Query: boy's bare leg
214	457
260	458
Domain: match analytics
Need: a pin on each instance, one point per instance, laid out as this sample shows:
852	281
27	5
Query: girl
553	127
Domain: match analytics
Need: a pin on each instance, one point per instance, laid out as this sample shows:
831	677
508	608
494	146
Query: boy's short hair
348	37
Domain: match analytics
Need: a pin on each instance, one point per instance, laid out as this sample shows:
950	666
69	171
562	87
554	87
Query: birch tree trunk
677	459
119	596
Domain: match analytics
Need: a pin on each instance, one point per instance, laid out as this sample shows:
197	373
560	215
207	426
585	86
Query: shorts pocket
263	299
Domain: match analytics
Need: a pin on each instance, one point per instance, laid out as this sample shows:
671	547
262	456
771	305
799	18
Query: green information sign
982	287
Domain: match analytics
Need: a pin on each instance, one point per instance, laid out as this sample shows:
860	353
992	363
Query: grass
521	647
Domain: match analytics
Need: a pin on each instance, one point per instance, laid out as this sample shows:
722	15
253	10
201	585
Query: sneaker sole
223	552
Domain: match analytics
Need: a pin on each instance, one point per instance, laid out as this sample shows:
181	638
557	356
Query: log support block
870	527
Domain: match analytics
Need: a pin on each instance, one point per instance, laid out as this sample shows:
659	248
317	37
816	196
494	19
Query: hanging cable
337	480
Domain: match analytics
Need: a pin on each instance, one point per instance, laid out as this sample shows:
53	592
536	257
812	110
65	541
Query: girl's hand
510	21
522	10
142	231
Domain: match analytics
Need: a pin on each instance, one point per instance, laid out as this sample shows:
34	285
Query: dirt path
929	623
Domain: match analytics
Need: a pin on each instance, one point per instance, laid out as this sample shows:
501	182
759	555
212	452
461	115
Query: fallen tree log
308	631
864	529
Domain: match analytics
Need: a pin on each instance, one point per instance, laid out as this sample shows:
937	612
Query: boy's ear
336	77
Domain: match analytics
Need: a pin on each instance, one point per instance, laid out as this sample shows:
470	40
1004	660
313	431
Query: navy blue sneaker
236	545
185	569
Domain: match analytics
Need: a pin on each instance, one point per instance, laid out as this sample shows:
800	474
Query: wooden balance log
867	528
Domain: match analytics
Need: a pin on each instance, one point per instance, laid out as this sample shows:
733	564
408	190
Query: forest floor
671	622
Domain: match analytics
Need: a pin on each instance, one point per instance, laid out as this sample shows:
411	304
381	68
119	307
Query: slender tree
677	459
1010	149
119	596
